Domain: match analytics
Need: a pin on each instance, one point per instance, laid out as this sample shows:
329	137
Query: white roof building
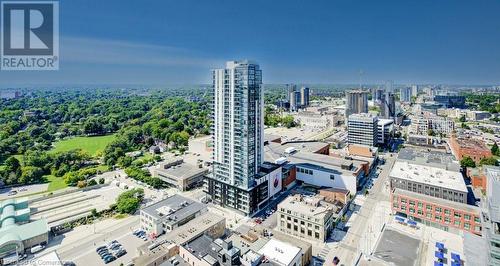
281	253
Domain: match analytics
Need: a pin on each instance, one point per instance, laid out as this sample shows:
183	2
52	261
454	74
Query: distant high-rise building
388	105
294	100
304	97
237	135
405	94
362	129
414	90
377	95
356	102
389	86
290	88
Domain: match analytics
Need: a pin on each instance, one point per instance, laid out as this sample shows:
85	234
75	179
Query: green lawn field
55	183
91	145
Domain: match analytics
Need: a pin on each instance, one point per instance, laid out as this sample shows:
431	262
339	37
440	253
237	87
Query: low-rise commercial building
170	213
440	213
478	115
167	245
426	123
477	177
180	175
428	187
307	217
205	251
430	181
281	253
314	167
469	147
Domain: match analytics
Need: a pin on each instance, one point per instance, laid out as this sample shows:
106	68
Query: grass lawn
55	183
91	145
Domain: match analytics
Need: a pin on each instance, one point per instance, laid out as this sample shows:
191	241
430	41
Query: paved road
348	249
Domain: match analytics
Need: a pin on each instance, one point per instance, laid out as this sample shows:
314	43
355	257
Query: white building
423	122
362	129
385	128
282	253
170	213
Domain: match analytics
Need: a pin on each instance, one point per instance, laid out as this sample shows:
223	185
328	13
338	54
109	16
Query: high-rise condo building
304	97
414	90
294	100
405	94
356	102
237	136
388	105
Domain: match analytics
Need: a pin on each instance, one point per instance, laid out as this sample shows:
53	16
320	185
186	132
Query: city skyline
160	44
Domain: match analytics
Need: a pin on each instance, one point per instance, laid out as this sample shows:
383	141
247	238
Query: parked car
120	253
109	259
12	193
37	248
116	247
100	248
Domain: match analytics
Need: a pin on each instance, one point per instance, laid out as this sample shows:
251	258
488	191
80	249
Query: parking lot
397	248
128	242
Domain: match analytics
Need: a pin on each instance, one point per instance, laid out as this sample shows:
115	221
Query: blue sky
178	42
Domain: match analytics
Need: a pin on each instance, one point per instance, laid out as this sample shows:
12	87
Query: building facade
405	94
449	101
305	217
304	97
385	129
356	102
469	147
388	105
170	213
362	129
439	213
433	192
237	136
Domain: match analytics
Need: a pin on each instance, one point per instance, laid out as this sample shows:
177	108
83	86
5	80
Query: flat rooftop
337	165
173	209
279	251
208	249
178	236
422	156
181	171
471	143
429	175
307	205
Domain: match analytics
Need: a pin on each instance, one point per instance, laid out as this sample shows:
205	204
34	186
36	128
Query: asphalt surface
348	249
397	248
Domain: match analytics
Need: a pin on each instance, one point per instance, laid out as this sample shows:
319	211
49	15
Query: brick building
473	148
443	214
477	177
432	192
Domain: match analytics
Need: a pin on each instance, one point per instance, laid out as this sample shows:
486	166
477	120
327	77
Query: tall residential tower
237	136
356	102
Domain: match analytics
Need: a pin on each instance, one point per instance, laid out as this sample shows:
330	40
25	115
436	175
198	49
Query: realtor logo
29	35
